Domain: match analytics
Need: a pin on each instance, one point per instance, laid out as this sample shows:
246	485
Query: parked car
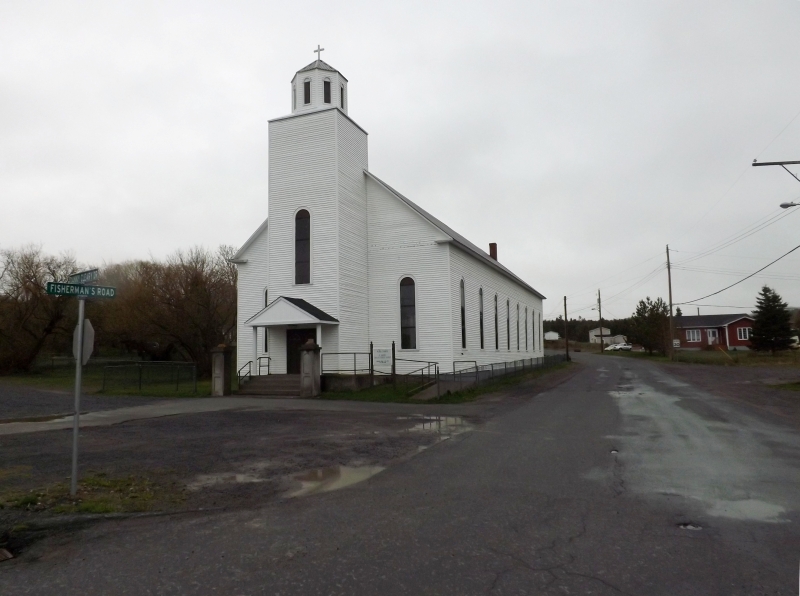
624	347
612	347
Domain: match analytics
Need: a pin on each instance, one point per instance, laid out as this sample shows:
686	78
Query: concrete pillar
310	382
221	370
319	335
254	366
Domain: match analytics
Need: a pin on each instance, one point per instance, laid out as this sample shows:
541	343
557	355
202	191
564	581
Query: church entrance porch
294	339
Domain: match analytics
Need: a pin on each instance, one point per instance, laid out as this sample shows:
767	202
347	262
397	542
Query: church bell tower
318	86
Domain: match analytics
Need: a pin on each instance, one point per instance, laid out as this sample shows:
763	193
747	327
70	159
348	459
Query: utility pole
566	329
600	310
671	323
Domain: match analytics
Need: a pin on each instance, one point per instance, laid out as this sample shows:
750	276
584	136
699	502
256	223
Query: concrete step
274	385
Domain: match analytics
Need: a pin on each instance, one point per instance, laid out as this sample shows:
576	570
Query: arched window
408	314
341	96
326	91
463	319
526	328
508	325
266	331
302	247
480	314
496	326
517	326
294	97
307	91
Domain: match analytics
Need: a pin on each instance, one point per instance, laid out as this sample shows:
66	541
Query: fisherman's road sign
79	290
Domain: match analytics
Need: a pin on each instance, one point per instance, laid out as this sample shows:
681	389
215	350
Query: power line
741	280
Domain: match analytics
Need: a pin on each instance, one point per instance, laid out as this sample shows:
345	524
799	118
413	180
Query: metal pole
566	329
394	368
371	366
671	324
140	377
73	487
354	364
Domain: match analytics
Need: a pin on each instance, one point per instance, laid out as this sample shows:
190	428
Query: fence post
354	365
394	368
177	377
194	376
140	376
371	367
437	381
104	378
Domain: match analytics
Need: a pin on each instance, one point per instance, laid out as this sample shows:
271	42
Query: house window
408	315
302	247
341	96
307	92
508	325
266	331
480	314
744	333
496	326
463	319
326	91
526	328
693	335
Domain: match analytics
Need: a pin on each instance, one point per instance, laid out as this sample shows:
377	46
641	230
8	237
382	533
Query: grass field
722	358
399	394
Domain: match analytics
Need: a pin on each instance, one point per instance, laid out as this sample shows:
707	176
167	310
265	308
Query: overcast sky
582	137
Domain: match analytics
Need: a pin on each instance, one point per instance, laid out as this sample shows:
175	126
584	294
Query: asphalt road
581	490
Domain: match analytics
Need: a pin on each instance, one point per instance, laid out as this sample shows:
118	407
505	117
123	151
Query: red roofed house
726	331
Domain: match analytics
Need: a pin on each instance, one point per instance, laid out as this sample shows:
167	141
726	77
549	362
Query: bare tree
29	317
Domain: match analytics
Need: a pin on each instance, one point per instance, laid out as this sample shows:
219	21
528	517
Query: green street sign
58	289
84	277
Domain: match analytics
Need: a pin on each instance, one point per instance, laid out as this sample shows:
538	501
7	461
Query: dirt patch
759	387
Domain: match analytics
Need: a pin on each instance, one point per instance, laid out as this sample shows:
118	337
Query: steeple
318	86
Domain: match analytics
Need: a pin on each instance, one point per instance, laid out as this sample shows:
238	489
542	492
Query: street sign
382	357
88	341
80	290
676	343
84	277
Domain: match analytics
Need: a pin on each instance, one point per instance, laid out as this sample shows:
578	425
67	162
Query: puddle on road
690	526
748	510
207	480
444	426
323	480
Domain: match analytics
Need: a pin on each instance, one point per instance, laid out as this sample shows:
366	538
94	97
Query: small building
551	336
725	331
608	339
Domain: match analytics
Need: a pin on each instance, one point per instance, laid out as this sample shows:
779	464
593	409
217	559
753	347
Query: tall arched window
408	314
341	96
266	331
526	328
302	247
294	97
496	326
517	326
326	91
480	313
463	319
508	325
307	91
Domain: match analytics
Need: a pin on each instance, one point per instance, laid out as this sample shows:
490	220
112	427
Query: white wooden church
347	260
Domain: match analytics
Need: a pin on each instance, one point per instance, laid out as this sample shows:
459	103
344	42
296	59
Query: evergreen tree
650	325
678	312
771	328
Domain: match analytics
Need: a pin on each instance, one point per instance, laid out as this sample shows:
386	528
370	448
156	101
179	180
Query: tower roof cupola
318	86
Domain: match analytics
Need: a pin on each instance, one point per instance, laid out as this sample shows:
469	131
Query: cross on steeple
319	51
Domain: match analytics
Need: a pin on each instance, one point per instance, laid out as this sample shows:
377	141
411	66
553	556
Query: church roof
458	239
321	65
239	256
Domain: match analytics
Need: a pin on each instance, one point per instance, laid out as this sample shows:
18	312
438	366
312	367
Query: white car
624	347
612	347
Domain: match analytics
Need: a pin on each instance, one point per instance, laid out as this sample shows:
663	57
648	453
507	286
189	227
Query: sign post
81	352
73	487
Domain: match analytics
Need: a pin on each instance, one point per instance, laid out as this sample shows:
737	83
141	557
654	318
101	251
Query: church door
294	339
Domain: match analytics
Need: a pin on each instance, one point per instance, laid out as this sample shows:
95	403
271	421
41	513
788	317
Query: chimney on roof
493	250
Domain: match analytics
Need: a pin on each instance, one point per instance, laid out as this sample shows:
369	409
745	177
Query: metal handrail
474	362
354	370
249	367
260	366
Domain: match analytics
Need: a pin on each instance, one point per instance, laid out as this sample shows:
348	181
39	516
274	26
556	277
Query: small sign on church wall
382	357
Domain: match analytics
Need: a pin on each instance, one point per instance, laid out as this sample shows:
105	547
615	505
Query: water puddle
444	426
323	480
690	526
748	510
206	480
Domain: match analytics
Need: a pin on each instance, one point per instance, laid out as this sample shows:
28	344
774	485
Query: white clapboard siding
402	243
477	274
252	281
303	174
353	258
